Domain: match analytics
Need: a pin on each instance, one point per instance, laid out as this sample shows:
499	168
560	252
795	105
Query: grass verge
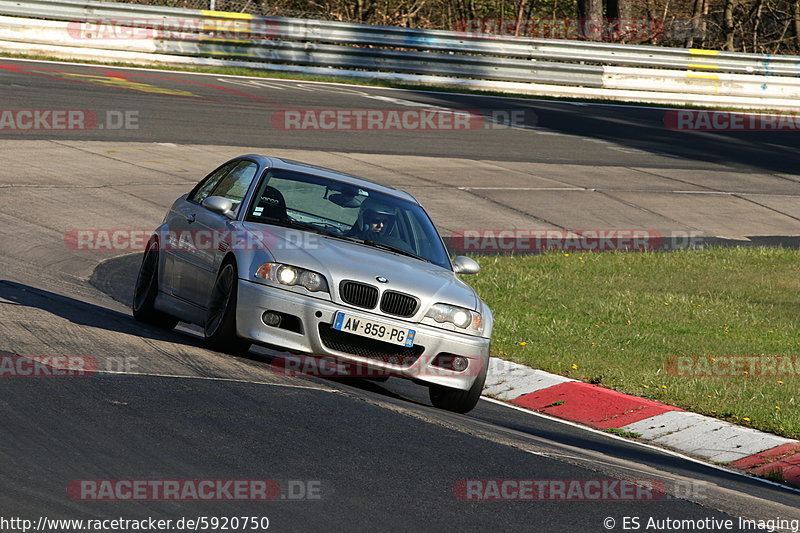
616	319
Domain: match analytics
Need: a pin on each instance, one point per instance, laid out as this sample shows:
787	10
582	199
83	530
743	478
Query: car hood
340	260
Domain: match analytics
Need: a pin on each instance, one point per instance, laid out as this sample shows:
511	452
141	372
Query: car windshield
348	212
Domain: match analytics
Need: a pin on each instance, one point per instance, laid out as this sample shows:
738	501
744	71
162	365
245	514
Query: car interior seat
271	204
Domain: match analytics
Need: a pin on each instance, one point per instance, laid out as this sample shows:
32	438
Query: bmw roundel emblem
382	279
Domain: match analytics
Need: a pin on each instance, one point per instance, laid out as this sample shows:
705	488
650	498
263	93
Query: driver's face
377	224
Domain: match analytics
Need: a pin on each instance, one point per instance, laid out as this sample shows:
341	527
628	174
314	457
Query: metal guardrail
348	46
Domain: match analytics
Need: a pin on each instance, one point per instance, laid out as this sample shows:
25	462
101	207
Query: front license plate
374	330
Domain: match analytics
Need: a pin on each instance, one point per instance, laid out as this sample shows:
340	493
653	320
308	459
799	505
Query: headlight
458	316
286	275
292	275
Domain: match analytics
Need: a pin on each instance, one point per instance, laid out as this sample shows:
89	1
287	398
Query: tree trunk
621	27
364	9
697	13
664	20
618	9
590	13
759	8
704	24
520	12
796	18
729	24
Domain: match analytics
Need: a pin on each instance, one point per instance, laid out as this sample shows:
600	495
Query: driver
377	224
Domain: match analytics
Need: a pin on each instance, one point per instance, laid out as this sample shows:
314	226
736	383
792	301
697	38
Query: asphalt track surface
206	110
383	458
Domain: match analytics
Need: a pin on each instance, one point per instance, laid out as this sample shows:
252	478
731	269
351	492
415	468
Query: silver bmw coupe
311	261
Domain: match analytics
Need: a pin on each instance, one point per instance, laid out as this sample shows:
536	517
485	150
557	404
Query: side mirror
465	265
218	204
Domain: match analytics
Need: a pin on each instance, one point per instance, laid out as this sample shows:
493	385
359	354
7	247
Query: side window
235	184
203	191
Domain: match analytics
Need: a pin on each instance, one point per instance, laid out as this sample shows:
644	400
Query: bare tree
591	14
619	19
520	12
618	9
757	22
796	21
363	9
729	24
697	14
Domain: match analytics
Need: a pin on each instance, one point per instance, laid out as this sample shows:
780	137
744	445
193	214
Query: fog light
271	319
460	363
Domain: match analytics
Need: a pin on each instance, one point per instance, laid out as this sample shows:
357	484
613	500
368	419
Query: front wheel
459	401
146	290
220	323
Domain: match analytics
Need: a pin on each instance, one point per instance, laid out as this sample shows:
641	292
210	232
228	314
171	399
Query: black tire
146	290
458	401
220	323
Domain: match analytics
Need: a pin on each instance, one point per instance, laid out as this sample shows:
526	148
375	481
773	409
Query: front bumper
316	316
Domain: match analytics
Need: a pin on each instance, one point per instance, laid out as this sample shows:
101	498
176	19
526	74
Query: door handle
191	218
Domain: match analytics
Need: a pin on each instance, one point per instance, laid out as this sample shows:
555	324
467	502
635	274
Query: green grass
615	319
623	433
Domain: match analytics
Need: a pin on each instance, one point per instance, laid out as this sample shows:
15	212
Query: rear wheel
459	401
146	290
220	324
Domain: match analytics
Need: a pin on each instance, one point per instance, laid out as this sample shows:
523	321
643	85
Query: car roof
307	168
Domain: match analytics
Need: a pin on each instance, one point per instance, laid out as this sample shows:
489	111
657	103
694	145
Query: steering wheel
327	225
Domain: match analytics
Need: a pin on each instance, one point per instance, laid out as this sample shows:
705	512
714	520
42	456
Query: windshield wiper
390	249
289	223
313	227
